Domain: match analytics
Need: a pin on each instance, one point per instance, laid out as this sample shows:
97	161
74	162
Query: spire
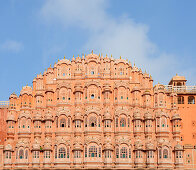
120	57
64	57
92	51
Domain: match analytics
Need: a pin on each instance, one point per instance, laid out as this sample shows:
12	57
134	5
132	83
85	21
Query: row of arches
94	150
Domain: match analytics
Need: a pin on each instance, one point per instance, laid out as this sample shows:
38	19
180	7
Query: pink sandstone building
99	112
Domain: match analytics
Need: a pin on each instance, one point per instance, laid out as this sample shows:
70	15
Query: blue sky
160	36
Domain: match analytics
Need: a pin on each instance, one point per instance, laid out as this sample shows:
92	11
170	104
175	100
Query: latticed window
85	151
62	153
107	123
117	152
92	151
55	148
129	152
35	154
93	121
99	151
78	124
26	154
123	152
122	122
62	122
8	154
160	153
68	122
165	153
48	124
150	154
46	154
108	154
67	152
21	154
77	154
163	122
85	121
128	122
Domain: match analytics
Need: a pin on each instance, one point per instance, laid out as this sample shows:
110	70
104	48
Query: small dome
8	147
148	116
108	146
136	115
13	95
107	116
178	147
40	76
63	61
27	90
176	117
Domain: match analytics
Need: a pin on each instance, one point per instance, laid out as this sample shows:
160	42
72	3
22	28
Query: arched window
117	152
21	154
165	153
26	154
122	122
123	152
92	151
191	100
69	122
92	96
180	100
8	154
62	153
116	122
67	152
62	122
163	122
93	121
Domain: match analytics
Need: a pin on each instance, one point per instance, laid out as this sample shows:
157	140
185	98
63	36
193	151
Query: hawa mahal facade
98	112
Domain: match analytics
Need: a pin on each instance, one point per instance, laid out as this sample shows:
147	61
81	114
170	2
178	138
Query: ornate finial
50	65
45	69
92	52
126	59
78	55
120	57
58	59
129	62
85	55
111	55
73	56
55	63
27	84
176	74
99	55
106	55
134	63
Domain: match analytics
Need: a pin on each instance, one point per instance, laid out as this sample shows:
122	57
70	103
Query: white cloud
117	36
11	46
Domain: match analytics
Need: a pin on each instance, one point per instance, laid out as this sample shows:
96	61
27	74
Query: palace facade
97	112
